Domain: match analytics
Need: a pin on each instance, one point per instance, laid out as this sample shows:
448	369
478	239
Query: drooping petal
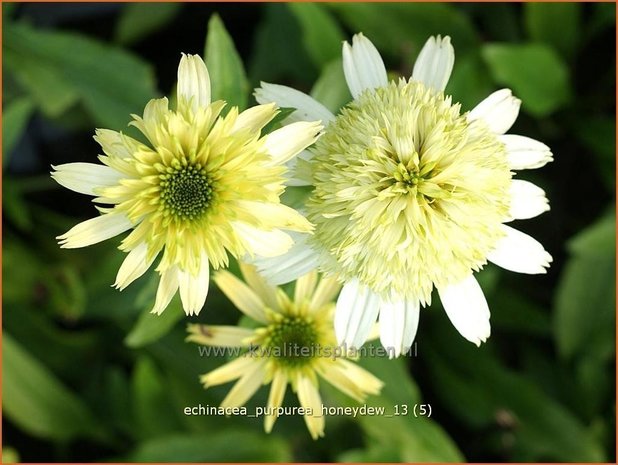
521	253
255	118
434	64
467	309
298	260
398	325
527	200
499	111
193	81
134	265
194	288
288	141
95	230
275	399
168	285
218	336
355	314
307	108
241	295
525	153
85	177
363	66
309	397
263	243
246	386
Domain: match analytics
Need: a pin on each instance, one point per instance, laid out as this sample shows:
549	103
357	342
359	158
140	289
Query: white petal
85	177
219	336
168	285
263	243
398	325
194	288
290	140
134	265
525	153
309	397
307	108
434	64
246	386
527	200
255	118
520	253
193	81
94	230
467	309
298	260
355	314
499	111
363	66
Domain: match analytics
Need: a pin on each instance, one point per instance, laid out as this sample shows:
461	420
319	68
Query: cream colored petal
255	118
525	153
467	309
219	336
499	111
520	252
363	66
434	64
229	372
243	297
274	215
246	386
334	374
194	288
266	292
361	377
307	108
85	177
263	243
309	397
134	265
168	285
527	200
193	81
290	140
275	398
305	285
95	230
327	290
116	144
356	312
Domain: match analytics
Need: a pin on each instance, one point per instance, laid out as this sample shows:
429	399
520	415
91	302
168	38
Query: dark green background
89	375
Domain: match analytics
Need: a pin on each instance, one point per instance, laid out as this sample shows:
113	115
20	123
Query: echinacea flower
410	194
295	343
207	185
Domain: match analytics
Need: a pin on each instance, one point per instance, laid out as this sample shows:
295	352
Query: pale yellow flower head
295	343
203	187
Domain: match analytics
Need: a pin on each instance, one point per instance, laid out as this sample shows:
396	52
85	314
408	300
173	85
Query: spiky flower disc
204	186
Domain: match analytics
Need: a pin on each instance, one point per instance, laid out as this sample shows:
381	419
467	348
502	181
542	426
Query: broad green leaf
598	133
59	68
140	19
470	82
321	33
554	24
401	29
9	455
217	446
150	327
331	89
585	298
35	400
535	72
227	74
14	120
14	205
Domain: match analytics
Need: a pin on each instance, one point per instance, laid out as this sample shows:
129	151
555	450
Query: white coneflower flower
411	194
296	344
206	186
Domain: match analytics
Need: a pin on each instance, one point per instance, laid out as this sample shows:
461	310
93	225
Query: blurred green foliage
90	375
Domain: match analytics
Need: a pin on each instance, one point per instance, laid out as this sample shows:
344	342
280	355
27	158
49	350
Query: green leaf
227	74
321	34
141	19
554	24
598	133
9	455
16	116
331	89
470	82
535	72
59	68
401	29
218	446
150	327
585	300
14	204
38	402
